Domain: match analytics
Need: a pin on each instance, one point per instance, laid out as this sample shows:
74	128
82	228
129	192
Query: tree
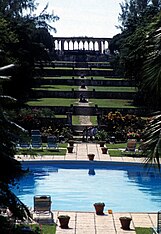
30	41
132	47
9	167
151	81
151	145
17	29
139	51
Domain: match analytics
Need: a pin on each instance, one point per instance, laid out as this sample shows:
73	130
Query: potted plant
70	149
99	208
104	150
64	221
71	142
91	157
101	135
125	222
102	143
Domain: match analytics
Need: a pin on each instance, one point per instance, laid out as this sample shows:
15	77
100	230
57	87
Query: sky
91	18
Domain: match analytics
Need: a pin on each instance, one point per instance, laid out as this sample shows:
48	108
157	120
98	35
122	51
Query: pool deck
80	152
89	222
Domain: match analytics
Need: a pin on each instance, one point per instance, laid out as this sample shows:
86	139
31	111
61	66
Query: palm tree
151	144
151	86
10	168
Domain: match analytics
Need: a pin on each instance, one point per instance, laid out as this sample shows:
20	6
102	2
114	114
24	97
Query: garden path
84	120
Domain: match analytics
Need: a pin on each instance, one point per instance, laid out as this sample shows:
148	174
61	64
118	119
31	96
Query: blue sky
91	18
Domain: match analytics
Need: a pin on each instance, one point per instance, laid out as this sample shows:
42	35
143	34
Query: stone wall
87	94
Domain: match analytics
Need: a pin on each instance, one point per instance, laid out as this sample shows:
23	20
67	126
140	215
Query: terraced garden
58	90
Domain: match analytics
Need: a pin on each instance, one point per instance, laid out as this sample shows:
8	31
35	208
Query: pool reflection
91	172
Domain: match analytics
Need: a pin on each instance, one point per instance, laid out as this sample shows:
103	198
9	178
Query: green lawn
48	229
59	77
113	103
112	89
119	145
61	150
116	146
42	152
82	69
90	88
53	102
93	120
57	87
43	229
119	153
142	230
75	120
87	77
115	150
107	78
115	153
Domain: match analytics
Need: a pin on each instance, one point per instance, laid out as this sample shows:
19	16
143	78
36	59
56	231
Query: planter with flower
64	221
99	208
91	156
104	150
125	222
102	136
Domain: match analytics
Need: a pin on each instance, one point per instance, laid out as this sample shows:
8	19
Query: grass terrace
90	88
53	102
112	103
61	151
112	89
87	77
77	68
57	87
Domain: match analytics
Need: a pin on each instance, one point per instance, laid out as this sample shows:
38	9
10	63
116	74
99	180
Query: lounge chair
52	142
36	141
24	142
42	209
35	132
24	145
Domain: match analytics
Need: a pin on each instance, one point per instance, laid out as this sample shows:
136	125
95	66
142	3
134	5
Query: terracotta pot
99	207
70	149
102	143
104	150
125	222
64	221
91	156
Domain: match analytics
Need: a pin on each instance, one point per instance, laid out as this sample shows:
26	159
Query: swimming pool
77	186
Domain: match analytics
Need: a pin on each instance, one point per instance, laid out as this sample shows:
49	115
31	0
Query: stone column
93	45
100	46
88	44
83	44
73	44
62	45
103	46
78	44
68	44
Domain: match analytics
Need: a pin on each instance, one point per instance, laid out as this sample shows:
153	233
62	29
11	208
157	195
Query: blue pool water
77	186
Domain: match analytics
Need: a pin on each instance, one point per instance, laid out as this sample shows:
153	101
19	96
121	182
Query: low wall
86	94
93	111
88	82
73	72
